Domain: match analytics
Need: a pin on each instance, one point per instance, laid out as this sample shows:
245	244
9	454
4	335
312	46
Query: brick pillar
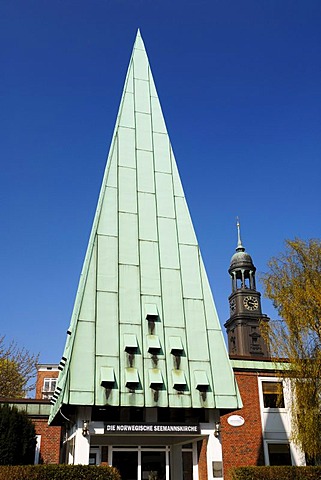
202	460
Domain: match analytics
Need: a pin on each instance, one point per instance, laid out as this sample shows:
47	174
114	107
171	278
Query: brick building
46	383
260	432
48	438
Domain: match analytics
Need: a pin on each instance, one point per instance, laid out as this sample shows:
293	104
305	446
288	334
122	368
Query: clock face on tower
251	303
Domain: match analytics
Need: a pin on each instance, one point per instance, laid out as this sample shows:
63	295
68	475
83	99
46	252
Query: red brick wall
202	461
243	446
50	441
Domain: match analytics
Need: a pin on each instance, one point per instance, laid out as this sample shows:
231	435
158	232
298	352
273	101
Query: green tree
17	368
293	283
17	437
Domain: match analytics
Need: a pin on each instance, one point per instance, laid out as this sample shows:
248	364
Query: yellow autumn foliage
293	283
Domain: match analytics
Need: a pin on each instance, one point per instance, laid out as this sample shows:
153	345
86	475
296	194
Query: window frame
48	393
277	442
261	380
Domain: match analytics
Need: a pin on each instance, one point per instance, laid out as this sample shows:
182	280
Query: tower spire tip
239	241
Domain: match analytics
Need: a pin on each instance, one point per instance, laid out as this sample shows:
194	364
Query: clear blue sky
240	86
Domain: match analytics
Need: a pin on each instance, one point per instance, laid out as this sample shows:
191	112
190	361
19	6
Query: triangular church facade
145	374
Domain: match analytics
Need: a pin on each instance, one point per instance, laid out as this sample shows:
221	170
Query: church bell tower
243	326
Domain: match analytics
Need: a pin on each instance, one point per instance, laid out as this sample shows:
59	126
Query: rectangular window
273	395
49	386
279	454
104	454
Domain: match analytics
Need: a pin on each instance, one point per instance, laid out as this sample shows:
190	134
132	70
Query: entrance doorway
150	466
143	463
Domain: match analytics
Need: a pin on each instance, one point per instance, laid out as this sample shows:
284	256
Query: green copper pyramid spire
144	329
